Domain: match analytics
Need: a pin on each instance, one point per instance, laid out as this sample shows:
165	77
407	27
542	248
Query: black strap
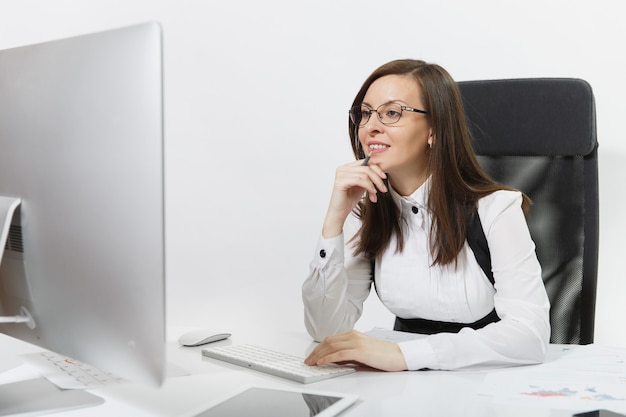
423	326
478	242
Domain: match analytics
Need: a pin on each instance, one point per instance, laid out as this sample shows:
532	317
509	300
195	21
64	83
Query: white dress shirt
410	287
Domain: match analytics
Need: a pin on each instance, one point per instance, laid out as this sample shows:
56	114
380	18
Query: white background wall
256	103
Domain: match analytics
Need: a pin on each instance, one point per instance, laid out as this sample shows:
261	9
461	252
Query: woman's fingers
354	346
368	178
327	351
351	182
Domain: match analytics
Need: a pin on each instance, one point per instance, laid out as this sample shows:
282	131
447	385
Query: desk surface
195	383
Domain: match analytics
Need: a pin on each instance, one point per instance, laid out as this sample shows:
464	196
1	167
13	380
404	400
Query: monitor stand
8	205
39	396
35	396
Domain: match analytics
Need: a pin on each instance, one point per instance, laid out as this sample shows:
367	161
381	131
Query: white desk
207	382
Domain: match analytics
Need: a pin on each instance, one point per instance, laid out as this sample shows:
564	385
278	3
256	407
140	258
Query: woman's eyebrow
364	103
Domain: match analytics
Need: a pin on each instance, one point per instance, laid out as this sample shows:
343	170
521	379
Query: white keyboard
275	363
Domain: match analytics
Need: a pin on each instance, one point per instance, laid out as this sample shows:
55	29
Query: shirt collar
418	198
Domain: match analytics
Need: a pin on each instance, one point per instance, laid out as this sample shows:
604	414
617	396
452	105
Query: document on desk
67	373
581	378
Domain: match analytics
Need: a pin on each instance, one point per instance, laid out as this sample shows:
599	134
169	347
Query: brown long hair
457	180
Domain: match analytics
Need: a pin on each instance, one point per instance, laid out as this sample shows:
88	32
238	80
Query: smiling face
400	149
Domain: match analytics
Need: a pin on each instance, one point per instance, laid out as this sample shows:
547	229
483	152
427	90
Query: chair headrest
531	116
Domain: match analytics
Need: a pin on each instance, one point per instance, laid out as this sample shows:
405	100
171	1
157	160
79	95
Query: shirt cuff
329	251
418	354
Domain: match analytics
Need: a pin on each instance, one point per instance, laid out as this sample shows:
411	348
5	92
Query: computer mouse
201	337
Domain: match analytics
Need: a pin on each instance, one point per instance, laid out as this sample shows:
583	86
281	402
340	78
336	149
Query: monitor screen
82	199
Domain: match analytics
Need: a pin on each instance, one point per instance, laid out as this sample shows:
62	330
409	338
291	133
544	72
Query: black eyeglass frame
369	113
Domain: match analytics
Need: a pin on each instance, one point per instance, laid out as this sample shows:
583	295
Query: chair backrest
539	136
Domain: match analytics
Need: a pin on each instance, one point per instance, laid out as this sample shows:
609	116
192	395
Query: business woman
400	216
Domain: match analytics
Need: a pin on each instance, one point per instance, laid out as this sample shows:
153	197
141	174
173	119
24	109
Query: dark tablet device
599	413
266	402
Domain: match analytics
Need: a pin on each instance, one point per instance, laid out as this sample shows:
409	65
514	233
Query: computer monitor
82	199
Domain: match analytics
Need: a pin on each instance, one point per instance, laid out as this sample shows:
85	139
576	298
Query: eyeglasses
388	113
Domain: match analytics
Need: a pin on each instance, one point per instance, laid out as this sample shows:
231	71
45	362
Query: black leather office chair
539	136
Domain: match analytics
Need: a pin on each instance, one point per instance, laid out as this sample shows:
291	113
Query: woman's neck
405	186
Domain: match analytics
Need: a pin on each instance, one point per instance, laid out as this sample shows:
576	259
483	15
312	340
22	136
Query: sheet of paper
582	378
68	373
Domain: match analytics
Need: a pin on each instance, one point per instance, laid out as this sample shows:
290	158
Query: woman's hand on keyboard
355	346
